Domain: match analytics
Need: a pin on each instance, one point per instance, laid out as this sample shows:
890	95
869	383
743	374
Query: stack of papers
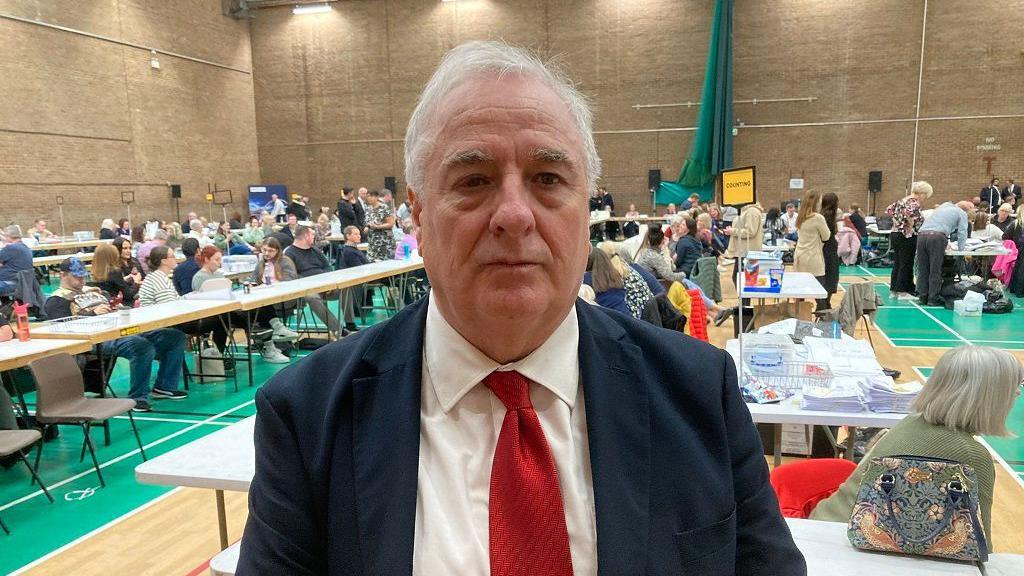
845	357
843	395
883	395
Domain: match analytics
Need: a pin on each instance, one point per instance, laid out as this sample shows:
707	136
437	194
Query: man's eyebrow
552	155
466	157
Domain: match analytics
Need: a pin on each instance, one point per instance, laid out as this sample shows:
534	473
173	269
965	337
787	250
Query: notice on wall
739	186
796	183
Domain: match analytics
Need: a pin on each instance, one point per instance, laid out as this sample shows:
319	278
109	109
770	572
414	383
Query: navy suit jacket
679	476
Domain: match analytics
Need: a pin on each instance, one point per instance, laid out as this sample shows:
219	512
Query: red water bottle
21	320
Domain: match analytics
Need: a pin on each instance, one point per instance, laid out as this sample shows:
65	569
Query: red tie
528	536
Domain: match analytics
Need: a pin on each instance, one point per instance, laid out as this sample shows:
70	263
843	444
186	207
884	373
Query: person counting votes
165	345
350	254
15	257
210	260
970	393
109	276
186	271
932	240
498	388
310	261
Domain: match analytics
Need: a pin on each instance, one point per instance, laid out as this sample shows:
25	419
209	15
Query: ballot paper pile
883	395
842	394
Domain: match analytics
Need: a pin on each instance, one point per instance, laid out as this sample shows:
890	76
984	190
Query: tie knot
512	388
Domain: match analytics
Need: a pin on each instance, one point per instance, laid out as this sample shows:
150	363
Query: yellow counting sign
738	186
209	197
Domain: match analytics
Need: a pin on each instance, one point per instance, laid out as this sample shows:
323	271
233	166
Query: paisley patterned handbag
922	506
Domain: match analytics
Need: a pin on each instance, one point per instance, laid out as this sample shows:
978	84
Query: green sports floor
81	507
905	324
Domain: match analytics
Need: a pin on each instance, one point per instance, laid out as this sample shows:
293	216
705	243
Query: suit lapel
618	425
386	438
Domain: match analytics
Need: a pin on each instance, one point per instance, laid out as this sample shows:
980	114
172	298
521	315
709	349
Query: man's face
41	226
192	216
503	211
353	236
363	192
305	240
790	209
995	182
292	220
71	281
273	197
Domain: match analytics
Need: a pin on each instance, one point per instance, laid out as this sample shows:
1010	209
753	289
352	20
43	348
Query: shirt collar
456	366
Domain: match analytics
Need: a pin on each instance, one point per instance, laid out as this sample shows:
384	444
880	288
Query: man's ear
417	208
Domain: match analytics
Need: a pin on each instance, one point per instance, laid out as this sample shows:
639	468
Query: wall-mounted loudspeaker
175	190
390	184
875	181
653	179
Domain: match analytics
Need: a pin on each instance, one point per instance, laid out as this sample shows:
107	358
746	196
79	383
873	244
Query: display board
739	186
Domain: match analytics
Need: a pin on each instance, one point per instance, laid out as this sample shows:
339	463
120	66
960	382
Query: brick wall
334	91
87	119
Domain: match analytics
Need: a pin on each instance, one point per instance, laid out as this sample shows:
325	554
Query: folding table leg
222	519
778	445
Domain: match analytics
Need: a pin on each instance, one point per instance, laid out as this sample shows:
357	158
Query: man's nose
513	213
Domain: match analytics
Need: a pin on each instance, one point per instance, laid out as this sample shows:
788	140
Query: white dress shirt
460	420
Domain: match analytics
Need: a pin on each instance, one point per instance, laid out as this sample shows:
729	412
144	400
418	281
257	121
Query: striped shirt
156	288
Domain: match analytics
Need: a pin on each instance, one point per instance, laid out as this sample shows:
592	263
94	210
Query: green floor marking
38	527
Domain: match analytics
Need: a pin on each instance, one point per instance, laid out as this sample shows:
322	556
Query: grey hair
971	390
195	225
471	59
922	188
159	235
13	231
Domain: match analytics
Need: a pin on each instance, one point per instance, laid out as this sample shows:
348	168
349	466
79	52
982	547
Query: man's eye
548	179
474	181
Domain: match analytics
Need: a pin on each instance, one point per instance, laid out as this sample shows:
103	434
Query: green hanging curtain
711	149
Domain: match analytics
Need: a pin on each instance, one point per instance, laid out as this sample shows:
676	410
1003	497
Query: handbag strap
955	497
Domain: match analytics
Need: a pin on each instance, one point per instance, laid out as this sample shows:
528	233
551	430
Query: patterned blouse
906	216
381	242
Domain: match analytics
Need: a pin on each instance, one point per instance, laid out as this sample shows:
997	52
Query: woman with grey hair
970	393
906	221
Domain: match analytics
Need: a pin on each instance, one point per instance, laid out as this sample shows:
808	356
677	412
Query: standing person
379	222
1015	232
830	250
611	228
1011	192
347	208
165	345
813	231
992	195
310	261
859	224
932	240
691	202
774	227
423	435
906	221
277	209
849	242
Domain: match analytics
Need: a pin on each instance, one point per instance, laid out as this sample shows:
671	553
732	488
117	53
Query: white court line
940	322
1006	466
866	271
175	420
84	537
92	470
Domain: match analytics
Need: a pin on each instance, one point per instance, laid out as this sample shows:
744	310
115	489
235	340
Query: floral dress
381	242
906	216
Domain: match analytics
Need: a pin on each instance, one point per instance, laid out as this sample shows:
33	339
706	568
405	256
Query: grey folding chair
60	400
13	442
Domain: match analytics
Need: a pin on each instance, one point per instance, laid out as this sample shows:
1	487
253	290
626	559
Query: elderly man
14	258
495	427
932	239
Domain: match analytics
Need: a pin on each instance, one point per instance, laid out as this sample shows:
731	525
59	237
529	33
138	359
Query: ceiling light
311	9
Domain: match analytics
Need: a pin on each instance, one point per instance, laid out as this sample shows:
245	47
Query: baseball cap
74	267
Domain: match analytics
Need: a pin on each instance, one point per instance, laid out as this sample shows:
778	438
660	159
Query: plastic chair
13	442
215	284
225	563
61	400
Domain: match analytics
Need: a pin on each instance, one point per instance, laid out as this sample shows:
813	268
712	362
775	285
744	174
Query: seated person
653	259
14	258
606	281
184	273
309	261
130	266
970	393
230	242
408	238
166	345
636	291
982	229
40	232
142	254
273	266
688	249
108	230
350	255
209	260
109	277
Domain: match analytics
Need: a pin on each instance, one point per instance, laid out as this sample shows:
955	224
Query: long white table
828	552
223	460
794	285
16	354
226	460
